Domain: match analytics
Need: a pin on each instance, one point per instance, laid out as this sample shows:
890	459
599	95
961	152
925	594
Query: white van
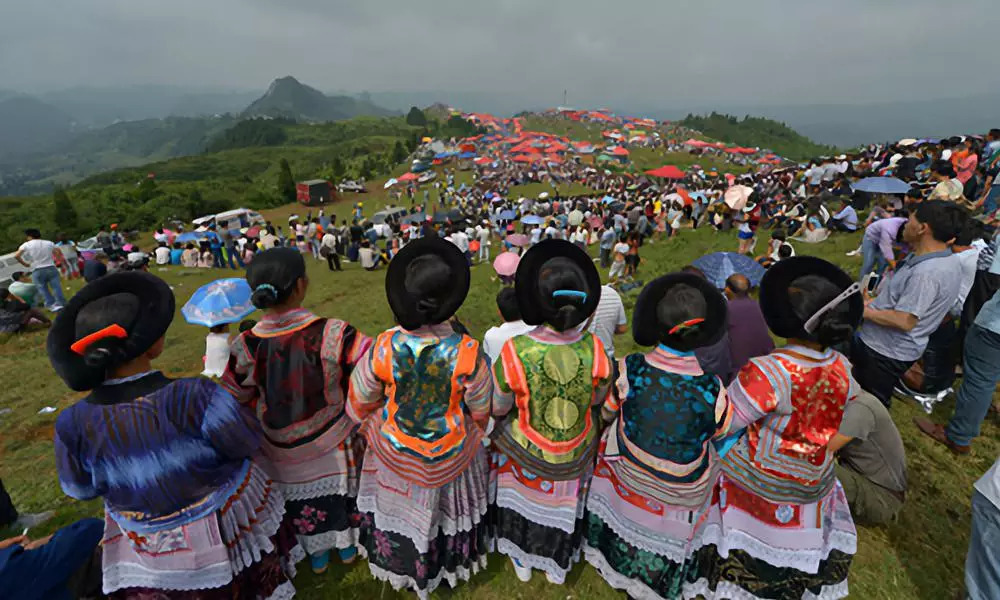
9	266
238	218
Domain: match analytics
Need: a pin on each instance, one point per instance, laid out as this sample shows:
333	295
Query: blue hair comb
575	294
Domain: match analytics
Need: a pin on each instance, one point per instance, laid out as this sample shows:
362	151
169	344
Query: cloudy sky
667	53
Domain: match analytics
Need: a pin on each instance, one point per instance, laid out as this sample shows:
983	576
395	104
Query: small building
315	192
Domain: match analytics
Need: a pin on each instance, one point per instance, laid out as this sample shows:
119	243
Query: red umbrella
667	172
407	177
619	151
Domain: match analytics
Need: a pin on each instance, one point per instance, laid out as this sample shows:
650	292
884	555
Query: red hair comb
111	331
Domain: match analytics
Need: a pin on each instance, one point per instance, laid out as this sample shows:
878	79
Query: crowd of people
710	465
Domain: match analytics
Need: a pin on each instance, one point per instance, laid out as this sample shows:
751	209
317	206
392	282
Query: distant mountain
29	125
288	98
94	107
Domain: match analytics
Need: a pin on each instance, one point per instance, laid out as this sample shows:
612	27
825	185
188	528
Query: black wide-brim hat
647	330
535	309
401	301
156	312
775	302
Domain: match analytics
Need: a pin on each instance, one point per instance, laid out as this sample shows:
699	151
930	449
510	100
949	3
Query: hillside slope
757	132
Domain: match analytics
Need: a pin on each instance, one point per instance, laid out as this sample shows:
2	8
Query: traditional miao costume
293	370
187	513
658	465
780	526
549	389
423	394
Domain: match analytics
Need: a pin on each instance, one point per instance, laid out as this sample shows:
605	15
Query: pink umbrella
519	239
253	231
595	221
506	263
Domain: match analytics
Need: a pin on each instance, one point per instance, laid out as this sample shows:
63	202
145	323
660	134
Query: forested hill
757	132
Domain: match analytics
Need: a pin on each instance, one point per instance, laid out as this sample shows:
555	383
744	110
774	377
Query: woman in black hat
780	526
550	384
658	465
186	509
423	396
292	368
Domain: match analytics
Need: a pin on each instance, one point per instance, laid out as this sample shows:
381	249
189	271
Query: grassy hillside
757	132
919	557
190	186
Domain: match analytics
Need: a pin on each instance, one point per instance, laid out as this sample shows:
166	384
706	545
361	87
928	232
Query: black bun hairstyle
117	309
273	275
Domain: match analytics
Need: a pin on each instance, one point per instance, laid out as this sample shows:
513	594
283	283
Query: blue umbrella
222	301
882	185
191	236
532	220
718	266
607	199
507	215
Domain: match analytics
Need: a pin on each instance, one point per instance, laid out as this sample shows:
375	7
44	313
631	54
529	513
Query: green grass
919	557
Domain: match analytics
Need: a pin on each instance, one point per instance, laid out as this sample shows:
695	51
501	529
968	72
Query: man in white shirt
483	235
328	249
460	240
162	254
513	326
536	235
38	255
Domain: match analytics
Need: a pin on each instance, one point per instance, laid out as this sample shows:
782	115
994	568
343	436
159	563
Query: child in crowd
292	370
548	384
186	508
658	464
205	259
216	350
422	396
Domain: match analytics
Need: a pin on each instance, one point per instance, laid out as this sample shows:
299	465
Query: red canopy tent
619	151
482	160
667	172
523	158
407	177
738	150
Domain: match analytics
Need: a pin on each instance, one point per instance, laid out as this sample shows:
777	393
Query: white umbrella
736	196
390	183
907	142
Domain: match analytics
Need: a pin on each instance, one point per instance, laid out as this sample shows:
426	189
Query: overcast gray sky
667	53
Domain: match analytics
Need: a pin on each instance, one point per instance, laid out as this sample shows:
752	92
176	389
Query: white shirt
216	354
968	260
484	236
329	241
552	232
162	255
610	314
536	235
37	253
496	337
68	250
460	240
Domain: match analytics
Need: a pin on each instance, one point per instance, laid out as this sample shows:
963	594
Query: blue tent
467	155
440	155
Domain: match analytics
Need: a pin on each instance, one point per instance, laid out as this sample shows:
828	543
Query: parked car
349	185
237	218
389	215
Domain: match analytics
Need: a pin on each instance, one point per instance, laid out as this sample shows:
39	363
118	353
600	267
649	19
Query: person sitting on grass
871	461
22	287
16	316
63	566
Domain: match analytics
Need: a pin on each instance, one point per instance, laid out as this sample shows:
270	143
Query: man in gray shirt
912	302
872	462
